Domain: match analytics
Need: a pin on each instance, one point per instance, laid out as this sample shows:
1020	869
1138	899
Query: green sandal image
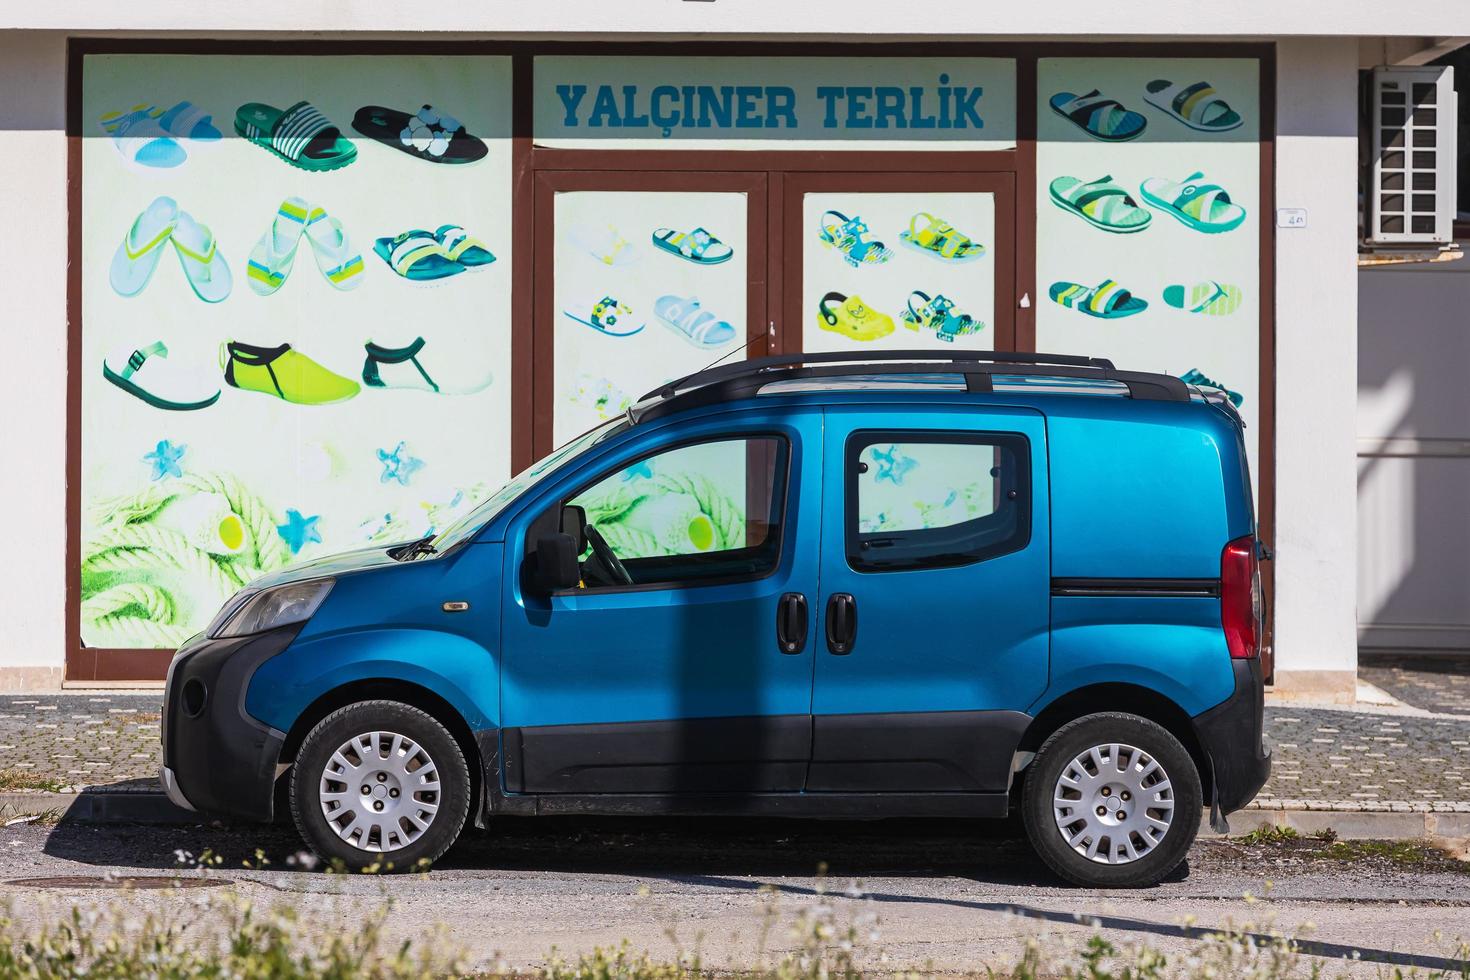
697	246
1101	203
1204	207
147	373
852	318
937	237
285	373
1107	300
418	257
849	237
937	313
1195	104
1098	116
274	255
1210	298
300	135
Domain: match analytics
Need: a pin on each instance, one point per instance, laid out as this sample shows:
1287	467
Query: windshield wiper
413	549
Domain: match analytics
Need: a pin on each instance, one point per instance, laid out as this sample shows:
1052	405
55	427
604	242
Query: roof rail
744	378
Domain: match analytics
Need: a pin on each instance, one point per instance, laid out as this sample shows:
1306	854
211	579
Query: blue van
904	584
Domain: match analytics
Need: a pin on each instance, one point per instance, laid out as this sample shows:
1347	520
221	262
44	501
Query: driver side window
691	514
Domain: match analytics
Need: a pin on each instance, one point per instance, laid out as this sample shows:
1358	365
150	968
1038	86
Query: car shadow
710	849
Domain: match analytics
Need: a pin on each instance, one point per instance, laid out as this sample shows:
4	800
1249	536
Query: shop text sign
745	103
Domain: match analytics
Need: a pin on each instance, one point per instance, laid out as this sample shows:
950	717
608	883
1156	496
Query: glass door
642	278
899	261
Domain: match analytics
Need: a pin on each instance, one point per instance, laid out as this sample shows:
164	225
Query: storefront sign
776	103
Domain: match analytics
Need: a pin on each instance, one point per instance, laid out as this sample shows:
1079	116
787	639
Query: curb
102	807
97	807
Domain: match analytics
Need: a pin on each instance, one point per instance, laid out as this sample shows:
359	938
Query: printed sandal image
148	374
335	256
427	134
1196	105
604	243
1204	207
404	367
187	121
687	318
1210	298
1101	203
1107	300
283	373
137	135
300	135
418	257
938	314
464	248
274	255
1195	377
609	317
698	246
852	318
939	238
204	266
136	258
848	236
1098	116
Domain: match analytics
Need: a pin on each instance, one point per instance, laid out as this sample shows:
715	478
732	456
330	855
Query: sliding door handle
841	623
791	623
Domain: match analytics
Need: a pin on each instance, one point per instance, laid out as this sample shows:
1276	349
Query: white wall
1316	363
1414	456
937	19
33	331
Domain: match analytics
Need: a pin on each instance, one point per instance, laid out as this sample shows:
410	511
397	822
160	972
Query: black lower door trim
1142	588
915	752
691	756
853	806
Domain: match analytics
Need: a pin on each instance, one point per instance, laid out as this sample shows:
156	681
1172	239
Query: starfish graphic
299	531
893	465
398	465
165	459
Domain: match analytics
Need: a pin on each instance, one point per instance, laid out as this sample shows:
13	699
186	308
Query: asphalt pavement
947	896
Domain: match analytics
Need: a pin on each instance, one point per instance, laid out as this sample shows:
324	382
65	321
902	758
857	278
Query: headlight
270	608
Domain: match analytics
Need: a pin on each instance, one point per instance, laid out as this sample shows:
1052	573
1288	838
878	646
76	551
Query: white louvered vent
1412	196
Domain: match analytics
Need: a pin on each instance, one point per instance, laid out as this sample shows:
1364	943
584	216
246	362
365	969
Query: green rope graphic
147	585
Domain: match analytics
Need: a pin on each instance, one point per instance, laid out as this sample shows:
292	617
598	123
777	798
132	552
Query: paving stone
1434	683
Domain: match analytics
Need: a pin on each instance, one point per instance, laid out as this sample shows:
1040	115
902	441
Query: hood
330	566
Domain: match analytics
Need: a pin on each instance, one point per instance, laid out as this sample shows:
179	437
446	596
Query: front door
682	665
935	603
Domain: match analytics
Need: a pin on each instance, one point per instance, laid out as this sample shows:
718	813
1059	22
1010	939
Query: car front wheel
1112	800
380	784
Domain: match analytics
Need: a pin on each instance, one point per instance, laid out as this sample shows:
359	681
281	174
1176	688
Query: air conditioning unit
1411	197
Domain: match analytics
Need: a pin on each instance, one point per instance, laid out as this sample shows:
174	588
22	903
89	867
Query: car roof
1014	376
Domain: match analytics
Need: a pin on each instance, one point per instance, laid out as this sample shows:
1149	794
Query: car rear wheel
1112	801
380	783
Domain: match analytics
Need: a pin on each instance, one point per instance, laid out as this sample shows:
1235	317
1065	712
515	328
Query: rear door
933	629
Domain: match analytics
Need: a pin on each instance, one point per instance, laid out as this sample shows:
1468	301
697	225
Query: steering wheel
607	556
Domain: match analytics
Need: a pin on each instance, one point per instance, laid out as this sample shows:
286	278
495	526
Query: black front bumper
1231	734
216	758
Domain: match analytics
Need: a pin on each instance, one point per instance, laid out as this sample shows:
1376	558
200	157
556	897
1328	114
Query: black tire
1041	783
450	793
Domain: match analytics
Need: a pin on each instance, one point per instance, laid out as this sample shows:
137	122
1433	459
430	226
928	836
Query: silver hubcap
1113	803
380	791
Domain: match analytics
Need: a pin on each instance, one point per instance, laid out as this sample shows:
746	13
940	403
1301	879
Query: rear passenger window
933	500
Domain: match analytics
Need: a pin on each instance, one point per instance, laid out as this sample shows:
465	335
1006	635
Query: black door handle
841	623
791	623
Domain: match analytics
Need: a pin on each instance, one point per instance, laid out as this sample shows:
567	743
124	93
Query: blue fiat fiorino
904	584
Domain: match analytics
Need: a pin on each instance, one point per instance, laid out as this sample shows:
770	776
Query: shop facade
340	376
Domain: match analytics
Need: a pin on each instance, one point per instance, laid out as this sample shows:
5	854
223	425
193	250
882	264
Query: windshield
532	475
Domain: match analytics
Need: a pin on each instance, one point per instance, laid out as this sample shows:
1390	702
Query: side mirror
554	564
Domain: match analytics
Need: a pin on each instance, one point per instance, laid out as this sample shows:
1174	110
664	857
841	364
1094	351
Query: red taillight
1240	598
